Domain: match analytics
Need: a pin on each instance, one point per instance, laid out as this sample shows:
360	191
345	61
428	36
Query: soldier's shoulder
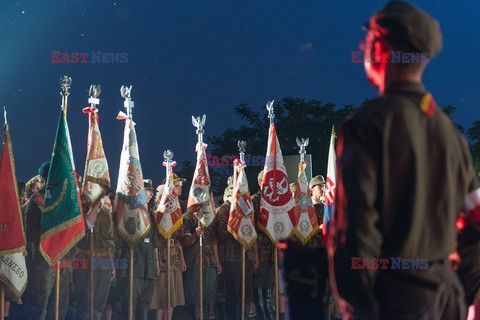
38	199
224	208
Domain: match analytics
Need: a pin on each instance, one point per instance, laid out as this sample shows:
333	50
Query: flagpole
57	289
201	271
277	304
168	277
2	301
243	283
130	292
65	83
2	287
92	292
241	146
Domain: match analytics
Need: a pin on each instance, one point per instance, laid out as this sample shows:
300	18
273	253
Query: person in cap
40	293
191	232
264	275
145	264
404	173
230	251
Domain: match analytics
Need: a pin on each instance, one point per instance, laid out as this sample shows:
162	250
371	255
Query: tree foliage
294	117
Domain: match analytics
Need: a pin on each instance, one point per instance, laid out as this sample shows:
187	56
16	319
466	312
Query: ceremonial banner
240	222
169	217
130	207
330	186
277	214
62	224
201	191
12	236
307	224
96	180
13	272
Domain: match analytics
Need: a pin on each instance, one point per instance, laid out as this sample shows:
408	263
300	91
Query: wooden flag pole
2	301
277	304
201	273
168	278
57	289
243	284
130	293
91	275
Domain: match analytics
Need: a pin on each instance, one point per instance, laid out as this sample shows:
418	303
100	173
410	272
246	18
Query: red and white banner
277	214
169	217
307	222
96	181
240	222
130	207
201	191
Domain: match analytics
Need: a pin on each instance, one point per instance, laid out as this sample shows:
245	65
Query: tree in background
294	117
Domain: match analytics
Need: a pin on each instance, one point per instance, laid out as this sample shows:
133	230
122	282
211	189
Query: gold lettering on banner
4	227
59	199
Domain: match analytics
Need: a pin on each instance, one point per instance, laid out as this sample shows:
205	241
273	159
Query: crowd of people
221	261
405	188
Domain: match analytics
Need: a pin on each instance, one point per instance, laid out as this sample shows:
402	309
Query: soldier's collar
405	87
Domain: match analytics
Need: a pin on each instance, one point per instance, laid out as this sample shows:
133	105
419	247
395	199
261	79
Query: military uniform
145	269
230	251
101	262
405	173
40	293
192	260
308	300
264	276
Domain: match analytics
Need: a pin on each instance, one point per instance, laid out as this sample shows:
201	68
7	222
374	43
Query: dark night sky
193	57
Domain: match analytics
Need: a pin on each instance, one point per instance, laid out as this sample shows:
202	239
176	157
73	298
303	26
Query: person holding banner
99	217
211	263
264	275
177	266
231	252
145	263
39	302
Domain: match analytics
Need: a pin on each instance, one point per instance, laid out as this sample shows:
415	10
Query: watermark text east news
392	263
89	57
393	57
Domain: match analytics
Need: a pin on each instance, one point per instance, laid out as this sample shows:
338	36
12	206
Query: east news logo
392	263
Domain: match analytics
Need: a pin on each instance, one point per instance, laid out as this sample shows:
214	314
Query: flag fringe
171	230
239	239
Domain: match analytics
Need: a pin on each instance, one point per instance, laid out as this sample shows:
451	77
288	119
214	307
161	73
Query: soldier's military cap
175	179
147	184
401	23
43	170
316	181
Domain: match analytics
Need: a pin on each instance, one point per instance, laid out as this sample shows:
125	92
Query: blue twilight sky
192	57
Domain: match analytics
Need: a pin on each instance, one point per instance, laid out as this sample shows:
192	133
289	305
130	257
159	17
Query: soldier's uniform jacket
33	217
229	249
192	253
103	237
264	244
403	173
316	240
144	262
